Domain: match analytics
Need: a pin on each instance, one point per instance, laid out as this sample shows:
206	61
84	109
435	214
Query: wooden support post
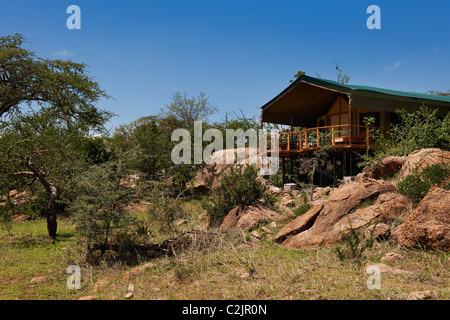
350	120
350	135
301	140
318	138
333	137
283	160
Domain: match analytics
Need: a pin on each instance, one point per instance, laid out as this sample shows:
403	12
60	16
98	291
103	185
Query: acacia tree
46	108
188	110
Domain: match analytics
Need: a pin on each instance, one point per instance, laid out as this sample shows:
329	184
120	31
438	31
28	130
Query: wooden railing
335	136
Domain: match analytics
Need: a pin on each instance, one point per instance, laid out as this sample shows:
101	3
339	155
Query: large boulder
301	223
404	165
428	225
339	212
393	205
250	217
17	198
387	167
420	159
220	162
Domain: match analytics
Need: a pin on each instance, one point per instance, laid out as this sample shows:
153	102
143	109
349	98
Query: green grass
216	268
29	253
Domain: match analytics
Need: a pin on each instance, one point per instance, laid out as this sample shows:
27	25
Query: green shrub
269	200
302	209
414	187
238	187
417	185
99	209
6	212
353	244
416	130
165	209
35	208
95	150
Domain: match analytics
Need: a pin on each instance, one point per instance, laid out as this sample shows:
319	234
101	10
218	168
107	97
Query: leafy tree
42	143
63	85
36	147
99	209
420	129
236	121
95	150
188	110
155	146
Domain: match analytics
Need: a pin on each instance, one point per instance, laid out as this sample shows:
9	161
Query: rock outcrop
388	166
428	225
406	165
220	162
17	198
420	159
301	223
371	204
250	217
393	205
337	214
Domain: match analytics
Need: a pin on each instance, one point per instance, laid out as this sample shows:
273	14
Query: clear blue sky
240	53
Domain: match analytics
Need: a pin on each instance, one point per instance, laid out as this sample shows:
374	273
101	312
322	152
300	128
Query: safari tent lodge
326	114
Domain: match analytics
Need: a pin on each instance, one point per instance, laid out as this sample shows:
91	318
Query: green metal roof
358	89
308	97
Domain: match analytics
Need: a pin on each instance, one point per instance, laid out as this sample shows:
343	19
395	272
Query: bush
416	130
238	187
165	209
35	208
99	208
6	212
417	185
414	187
302	209
95	150
353	244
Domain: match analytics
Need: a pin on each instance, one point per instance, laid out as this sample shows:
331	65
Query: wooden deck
339	137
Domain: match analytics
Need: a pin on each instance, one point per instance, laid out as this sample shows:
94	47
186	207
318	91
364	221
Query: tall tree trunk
52	225
52	191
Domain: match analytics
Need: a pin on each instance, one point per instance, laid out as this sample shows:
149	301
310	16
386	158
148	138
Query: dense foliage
238	187
417	185
415	130
100	207
420	129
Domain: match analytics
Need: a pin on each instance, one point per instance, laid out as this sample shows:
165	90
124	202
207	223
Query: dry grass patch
212	264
